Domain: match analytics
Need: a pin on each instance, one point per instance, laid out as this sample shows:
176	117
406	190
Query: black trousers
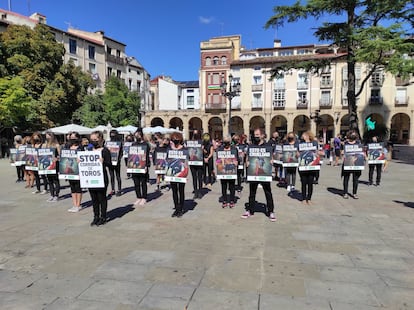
20	172
291	176
178	195
115	171
208	171
240	174
252	196
231	186
54	185
371	169
197	175
307	178
355	178
99	202
140	182
37	178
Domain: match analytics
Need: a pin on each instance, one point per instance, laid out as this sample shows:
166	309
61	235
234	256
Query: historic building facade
296	101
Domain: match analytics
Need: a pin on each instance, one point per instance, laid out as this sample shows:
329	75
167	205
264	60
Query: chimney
277	43
41	19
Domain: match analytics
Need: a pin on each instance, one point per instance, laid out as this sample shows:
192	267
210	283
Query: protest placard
68	165
177	170
354	157
160	166
260	166
137	158
114	148
195	153
226	164
91	169
31	159
376	154
290	155
308	159
47	162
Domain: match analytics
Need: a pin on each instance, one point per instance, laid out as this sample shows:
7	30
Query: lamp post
233	91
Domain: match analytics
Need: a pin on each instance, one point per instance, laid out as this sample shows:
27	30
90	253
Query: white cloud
205	20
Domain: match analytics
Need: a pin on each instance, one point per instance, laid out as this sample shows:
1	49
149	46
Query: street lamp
233	91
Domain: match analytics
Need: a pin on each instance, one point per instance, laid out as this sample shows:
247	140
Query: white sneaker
36	192
260	186
50	199
292	188
143	202
43	192
288	188
55	199
74	209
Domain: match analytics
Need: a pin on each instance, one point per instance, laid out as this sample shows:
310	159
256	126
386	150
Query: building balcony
257	87
302	85
257	105
279	104
401	101
279	86
344	103
325	103
302	104
115	59
375	100
399	81
236	106
376	83
326	84
215	106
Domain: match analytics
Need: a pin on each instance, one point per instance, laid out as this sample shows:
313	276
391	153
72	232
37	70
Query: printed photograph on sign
195	153
114	148
177	169
31	159
21	155
278	155
241	149
354	157
13	157
68	165
308	157
290	156
376	154
260	165
226	164
47	163
137	160
160	165
126	149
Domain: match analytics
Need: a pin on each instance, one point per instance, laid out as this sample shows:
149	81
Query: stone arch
176	122
215	127
279	124
193	124
301	123
378	118
400	128
157	121
237	125
326	127
344	128
256	122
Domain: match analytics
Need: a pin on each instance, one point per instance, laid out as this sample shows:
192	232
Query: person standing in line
160	155
337	149
18	141
377	167
230	184
208	153
115	170
241	149
307	177
98	195
177	188
37	142
141	179
275	140
75	144
128	139
290	172
53	180
28	174
352	139
196	169
258	139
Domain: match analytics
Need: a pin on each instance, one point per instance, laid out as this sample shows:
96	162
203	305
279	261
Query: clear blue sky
165	35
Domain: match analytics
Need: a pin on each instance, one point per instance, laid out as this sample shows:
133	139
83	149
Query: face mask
353	137
139	139
129	140
73	141
226	144
290	139
36	140
113	138
95	144
256	139
176	142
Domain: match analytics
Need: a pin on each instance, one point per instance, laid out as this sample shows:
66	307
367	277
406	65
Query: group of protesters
174	159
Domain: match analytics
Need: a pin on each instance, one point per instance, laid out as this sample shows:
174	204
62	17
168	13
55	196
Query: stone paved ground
337	254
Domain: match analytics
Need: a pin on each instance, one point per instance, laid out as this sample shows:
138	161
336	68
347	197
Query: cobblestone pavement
336	254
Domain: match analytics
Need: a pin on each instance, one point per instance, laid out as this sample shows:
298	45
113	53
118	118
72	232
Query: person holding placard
376	158
138	165
160	161
353	163
98	194
18	141
226	164
177	171
36	142
309	164
241	149
195	150
52	145
129	139
208	153
290	161
115	147
259	171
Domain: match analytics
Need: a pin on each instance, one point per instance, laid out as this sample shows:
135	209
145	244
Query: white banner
91	169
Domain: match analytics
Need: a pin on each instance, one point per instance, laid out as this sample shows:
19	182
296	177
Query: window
302	80
376	78
325	80
401	96
92	68
257	101
215	61
375	96
224	60
257	79
190	91
325	98
286	53
280	82
109	50
130	84
72	46
91	51
216	98
190	102
118	53
208	61
216	80
279	98
257	68
302	95
109	71
74	61
118	74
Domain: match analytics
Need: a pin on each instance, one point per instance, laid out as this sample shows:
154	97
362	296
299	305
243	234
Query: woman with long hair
37	141
52	179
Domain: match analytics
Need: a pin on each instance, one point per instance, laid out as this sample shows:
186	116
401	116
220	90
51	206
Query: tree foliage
374	32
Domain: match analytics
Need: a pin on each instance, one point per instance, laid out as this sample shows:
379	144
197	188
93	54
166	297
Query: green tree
374	32
92	111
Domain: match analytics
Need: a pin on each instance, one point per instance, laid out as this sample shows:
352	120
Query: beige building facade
297	101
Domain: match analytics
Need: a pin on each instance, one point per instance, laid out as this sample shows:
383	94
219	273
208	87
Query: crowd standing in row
173	158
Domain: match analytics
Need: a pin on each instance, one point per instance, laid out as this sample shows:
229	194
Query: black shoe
118	193
179	214
174	214
95	221
101	221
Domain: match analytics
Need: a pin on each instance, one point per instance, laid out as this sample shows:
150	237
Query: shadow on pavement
154	195
119	212
335	191
406	204
189	205
295	195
